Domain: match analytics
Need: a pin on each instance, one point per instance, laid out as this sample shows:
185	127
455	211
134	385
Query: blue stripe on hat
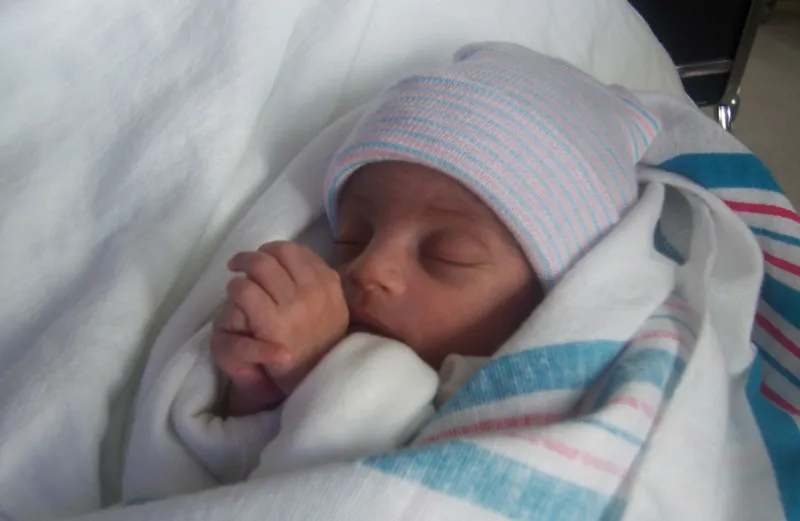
432	104
644	113
399	100
540	99
579	119
550	124
532	245
548	108
543	204
609	217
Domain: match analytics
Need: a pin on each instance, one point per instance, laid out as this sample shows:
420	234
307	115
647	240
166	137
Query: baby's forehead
409	185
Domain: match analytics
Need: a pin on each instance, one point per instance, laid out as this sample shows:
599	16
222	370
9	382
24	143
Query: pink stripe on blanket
636	404
487	426
776	398
559	447
776	333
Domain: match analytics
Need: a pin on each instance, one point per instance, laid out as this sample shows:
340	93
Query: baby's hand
283	317
244	359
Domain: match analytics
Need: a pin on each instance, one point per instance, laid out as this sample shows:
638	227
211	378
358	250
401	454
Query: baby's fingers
232	319
267	271
234	353
247	376
300	262
252	300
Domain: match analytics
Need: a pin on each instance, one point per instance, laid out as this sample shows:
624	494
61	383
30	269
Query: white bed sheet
132	135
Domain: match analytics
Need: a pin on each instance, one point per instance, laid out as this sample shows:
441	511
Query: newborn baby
418	259
458	201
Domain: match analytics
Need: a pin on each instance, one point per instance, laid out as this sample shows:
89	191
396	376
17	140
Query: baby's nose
379	268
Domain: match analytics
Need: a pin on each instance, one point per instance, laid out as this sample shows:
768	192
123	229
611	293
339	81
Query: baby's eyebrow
472	214
468	236
450	210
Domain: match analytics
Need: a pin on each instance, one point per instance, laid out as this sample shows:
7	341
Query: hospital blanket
658	380
133	135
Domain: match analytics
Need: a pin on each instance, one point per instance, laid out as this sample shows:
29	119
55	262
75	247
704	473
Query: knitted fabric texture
548	148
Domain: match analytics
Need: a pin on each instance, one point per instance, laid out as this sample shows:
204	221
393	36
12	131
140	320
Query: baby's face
424	261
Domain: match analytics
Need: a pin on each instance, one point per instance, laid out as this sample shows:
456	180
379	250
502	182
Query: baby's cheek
442	328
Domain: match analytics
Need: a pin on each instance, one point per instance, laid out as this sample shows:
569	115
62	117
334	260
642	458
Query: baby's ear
639	122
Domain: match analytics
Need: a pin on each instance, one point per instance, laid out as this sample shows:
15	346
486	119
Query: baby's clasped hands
280	319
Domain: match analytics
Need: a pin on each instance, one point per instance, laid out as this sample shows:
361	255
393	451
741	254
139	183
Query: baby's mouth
364	323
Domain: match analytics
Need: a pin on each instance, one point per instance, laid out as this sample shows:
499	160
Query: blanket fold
631	393
661	381
136	134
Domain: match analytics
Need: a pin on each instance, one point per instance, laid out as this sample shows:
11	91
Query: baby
458	201
418	258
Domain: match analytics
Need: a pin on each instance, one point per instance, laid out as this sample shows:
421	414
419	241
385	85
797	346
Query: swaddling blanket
135	134
658	380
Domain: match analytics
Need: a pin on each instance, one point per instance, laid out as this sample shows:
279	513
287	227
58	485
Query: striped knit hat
547	147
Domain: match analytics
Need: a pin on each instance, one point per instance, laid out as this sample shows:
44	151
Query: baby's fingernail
283	356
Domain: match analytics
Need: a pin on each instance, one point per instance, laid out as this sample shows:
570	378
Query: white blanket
132	134
631	393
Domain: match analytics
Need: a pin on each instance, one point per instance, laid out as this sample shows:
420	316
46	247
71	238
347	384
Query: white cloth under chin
367	396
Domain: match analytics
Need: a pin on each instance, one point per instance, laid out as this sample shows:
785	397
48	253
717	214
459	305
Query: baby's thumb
249	376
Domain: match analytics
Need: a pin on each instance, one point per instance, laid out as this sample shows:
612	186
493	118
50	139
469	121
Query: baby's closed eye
457	249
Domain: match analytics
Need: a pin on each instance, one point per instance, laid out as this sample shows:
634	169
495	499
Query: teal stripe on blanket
782	438
723	171
617	431
652	366
557	367
497	483
780	237
783	299
771	362
682	323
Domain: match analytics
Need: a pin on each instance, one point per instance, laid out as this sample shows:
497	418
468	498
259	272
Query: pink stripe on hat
548	148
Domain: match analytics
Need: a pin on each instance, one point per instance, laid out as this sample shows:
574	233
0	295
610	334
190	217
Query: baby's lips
365	322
